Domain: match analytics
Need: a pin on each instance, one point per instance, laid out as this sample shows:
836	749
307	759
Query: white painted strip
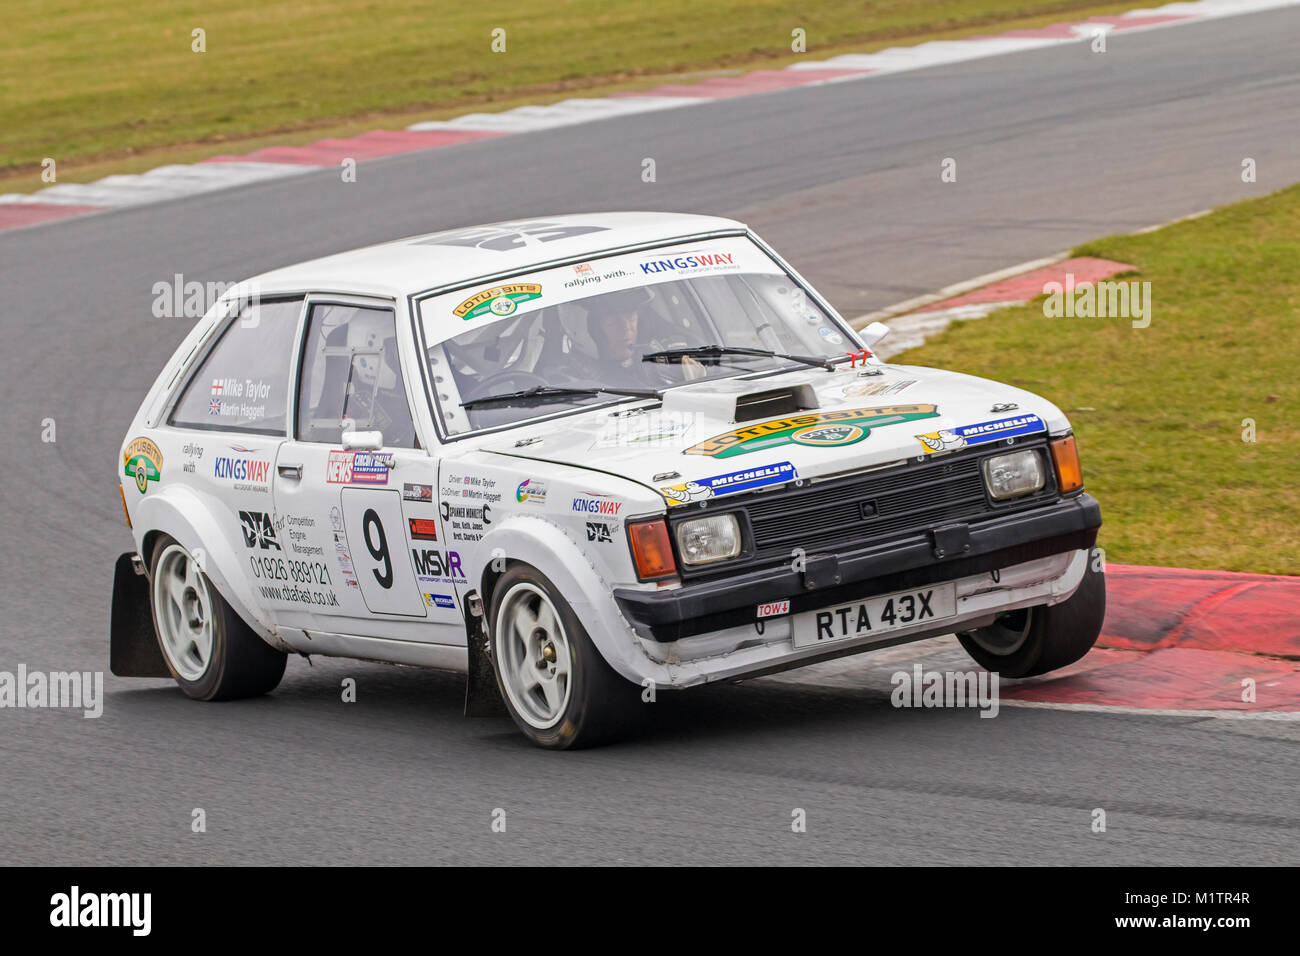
525	119
1161	225
939	52
1276	715
909	331
165	182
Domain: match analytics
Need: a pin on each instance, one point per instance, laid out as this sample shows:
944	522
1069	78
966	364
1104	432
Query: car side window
350	370
243	383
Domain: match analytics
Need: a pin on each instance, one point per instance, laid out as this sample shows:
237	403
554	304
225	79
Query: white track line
1284	716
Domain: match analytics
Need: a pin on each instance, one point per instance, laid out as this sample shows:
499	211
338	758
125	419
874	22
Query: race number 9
378	548
375	528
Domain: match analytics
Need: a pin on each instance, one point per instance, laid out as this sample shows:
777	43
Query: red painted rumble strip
1029	285
1173	679
1185	640
380	142
1151	608
13	215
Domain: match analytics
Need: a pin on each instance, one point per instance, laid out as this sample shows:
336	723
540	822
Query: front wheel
210	651
1035	640
559	690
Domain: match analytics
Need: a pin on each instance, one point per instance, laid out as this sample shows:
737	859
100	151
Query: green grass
1158	411
96	80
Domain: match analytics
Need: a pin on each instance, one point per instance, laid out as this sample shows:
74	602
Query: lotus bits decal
815	429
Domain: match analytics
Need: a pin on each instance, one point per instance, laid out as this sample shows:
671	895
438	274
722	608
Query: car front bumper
710	630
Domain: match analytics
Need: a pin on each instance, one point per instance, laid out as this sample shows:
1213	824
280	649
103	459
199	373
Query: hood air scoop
733	401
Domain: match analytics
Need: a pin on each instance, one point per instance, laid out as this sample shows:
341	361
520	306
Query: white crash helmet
366	331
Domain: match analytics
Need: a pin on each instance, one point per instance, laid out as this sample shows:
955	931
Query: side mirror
363	441
873	333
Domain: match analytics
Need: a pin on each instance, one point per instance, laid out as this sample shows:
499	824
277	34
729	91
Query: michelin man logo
944	440
691	491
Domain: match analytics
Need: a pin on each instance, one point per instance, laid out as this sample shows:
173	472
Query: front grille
878	507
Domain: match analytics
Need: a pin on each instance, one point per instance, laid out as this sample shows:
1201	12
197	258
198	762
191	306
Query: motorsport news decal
817	429
499	300
950	439
142	461
729	484
358	468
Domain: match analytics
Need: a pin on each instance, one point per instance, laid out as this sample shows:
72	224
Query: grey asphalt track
1053	147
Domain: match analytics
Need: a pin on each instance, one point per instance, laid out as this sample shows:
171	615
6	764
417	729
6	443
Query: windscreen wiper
544	393
717	351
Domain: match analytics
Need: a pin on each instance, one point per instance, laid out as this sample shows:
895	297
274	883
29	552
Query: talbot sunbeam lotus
577	459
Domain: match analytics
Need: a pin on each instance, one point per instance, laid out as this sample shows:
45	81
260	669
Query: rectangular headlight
705	540
1013	475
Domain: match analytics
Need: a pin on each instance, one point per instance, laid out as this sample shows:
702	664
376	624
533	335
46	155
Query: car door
359	515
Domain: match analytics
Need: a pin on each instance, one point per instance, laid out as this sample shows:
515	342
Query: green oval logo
823	435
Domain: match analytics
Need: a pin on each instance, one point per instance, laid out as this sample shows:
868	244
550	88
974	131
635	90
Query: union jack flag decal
214	407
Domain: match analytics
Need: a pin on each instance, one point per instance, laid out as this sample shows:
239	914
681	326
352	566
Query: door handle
289	471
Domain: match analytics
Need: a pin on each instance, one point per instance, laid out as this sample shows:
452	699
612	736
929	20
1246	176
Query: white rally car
578	459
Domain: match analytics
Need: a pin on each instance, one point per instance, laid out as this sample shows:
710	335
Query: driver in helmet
614	325
375	386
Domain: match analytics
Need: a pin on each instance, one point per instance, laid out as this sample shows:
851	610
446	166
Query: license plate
876	615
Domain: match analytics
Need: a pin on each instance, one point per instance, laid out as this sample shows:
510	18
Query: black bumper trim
672	614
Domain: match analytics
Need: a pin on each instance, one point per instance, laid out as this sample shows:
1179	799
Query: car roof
418	263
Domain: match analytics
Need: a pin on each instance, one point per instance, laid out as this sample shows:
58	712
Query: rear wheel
1034	640
559	690
210	651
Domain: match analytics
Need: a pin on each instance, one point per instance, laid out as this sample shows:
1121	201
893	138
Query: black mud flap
133	644
482	697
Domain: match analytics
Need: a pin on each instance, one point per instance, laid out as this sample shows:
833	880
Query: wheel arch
188	518
545	546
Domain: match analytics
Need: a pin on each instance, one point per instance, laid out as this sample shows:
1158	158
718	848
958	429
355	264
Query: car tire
558	688
1035	640
211	653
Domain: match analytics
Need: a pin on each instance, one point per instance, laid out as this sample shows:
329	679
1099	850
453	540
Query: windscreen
608	322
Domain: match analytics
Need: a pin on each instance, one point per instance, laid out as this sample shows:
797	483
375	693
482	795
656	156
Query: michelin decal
730	483
982	433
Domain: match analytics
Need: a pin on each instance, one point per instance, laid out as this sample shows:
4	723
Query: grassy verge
102	83
1160	412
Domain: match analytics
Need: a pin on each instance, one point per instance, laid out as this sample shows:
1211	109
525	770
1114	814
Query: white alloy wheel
535	662
1007	634
184	612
